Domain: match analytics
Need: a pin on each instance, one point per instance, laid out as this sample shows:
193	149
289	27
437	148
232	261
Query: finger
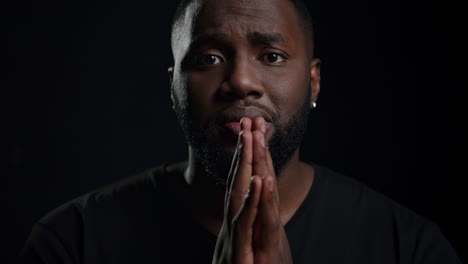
259	161
259	124
242	175
269	160
242	228
245	123
263	125
268	216
233	169
272	173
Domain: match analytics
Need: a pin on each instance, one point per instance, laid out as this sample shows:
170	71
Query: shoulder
112	200
116	206
360	215
105	219
351	194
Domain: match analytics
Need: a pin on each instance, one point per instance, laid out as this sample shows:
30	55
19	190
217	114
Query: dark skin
255	51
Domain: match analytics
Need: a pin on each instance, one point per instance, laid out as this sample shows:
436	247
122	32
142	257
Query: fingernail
263	127
262	140
252	187
239	139
270	185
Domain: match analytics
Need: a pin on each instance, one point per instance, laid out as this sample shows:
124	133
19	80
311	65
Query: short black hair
303	10
300	5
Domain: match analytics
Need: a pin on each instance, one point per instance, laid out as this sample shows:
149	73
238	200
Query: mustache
240	109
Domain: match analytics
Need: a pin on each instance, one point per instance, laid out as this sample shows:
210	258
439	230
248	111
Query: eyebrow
258	37
207	38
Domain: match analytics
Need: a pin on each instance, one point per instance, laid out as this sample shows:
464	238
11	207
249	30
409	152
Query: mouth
233	127
230	118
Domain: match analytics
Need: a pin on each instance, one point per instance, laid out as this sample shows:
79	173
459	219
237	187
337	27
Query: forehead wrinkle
217	14
253	30
242	11
241	21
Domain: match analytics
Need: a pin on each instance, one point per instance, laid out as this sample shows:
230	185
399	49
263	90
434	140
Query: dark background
86	101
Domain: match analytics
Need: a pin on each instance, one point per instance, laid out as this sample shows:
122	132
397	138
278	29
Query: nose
241	81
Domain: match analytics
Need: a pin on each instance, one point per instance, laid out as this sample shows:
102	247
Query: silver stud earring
313	104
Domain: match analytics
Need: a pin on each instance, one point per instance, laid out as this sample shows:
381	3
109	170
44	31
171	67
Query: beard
216	159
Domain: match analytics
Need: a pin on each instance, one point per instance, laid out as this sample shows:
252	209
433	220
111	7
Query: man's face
242	58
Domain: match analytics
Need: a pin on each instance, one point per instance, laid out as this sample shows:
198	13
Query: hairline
181	11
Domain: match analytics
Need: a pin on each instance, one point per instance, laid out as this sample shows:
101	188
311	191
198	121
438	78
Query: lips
235	114
234	127
230	118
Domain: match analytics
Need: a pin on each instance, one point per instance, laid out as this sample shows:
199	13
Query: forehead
246	17
244	14
236	17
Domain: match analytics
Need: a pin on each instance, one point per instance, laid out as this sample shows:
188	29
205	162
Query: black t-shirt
140	221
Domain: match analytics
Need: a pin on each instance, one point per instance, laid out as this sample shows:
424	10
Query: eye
209	59
273	57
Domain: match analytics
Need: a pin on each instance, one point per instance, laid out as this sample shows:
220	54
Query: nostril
242	81
230	92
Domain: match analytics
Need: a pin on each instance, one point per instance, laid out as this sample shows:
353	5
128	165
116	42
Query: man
243	81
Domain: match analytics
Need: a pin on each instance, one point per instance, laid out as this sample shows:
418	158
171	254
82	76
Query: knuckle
275	226
257	133
246	134
240	193
257	162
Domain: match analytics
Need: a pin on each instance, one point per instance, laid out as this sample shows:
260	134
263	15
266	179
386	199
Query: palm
252	231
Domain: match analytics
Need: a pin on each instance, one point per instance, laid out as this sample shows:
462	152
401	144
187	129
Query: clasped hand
252	230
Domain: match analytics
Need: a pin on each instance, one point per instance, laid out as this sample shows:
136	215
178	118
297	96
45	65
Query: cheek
201	90
287	88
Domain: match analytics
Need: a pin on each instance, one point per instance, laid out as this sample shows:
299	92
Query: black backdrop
86	100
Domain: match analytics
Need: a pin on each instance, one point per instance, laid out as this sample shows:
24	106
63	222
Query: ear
314	79
170	72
